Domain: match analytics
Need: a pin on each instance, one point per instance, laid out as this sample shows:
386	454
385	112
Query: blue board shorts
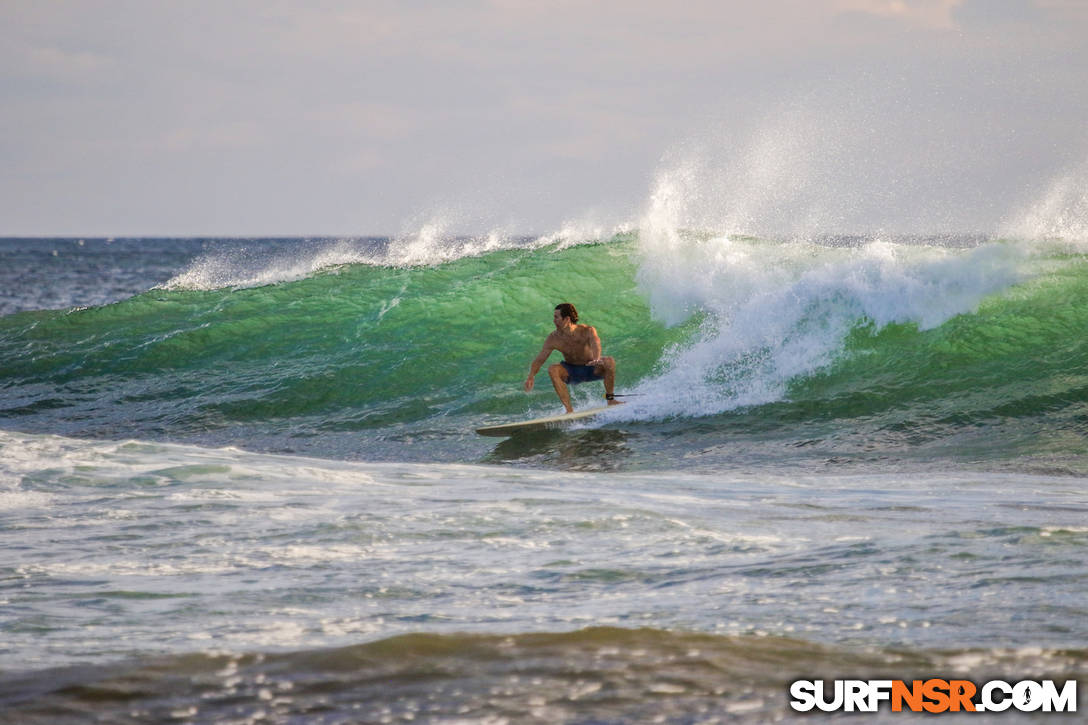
580	373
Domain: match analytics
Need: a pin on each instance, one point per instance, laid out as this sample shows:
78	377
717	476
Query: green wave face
1017	366
355	347
813	351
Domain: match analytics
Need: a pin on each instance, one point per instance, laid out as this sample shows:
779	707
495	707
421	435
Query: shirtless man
582	361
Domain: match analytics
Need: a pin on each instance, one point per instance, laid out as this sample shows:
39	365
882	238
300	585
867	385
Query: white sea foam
251	266
16	500
427	243
776	310
433	243
256	265
313	553
582	231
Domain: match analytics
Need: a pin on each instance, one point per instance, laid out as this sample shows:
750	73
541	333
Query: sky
258	117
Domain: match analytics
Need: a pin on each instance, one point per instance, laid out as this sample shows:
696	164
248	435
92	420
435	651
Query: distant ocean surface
239	479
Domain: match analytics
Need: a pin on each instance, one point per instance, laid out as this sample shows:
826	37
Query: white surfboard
538	424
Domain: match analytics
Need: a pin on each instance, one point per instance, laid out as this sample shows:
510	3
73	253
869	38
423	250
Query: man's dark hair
567	310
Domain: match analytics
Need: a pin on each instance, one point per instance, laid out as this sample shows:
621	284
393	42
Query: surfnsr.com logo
934	696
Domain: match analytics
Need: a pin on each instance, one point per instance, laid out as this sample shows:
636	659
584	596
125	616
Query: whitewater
239	480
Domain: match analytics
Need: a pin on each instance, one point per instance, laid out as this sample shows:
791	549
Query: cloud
1071	9
982	13
346	116
71	66
934	14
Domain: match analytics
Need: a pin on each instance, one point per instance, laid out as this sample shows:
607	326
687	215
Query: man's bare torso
575	345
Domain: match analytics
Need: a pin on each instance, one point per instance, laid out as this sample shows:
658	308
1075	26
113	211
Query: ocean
240	483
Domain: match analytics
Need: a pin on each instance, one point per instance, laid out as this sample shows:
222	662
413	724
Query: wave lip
239	265
774	312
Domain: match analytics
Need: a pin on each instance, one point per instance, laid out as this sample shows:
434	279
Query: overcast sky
253	117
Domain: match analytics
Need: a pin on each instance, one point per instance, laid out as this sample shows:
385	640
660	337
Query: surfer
582	359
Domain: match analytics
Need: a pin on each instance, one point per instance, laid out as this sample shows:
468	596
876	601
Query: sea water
239	480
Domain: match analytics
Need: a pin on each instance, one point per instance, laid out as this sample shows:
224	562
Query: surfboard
539	424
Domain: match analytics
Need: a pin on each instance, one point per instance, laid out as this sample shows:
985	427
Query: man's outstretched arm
534	368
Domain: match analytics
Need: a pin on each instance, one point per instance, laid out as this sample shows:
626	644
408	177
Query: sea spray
1060	213
240	264
777	309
